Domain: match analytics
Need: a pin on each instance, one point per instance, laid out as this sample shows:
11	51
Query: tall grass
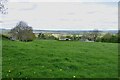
59	59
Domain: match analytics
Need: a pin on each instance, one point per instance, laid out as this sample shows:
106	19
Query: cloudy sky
63	15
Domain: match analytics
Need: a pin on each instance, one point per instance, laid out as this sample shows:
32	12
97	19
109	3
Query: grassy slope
55	59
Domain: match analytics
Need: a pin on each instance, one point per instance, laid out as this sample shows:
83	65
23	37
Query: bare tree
22	32
3	7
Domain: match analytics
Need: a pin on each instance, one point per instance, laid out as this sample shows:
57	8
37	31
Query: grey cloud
72	19
72	13
31	8
91	12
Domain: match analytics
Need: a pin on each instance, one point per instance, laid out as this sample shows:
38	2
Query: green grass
0	56
59	59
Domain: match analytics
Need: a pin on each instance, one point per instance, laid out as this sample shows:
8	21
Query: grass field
59	59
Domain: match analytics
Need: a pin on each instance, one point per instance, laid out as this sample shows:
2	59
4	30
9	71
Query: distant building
64	39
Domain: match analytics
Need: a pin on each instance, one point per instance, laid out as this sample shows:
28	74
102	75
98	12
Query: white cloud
63	15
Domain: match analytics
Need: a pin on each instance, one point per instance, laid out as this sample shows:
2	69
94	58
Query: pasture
59	59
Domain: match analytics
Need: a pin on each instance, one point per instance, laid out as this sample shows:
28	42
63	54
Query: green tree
106	37
118	36
110	38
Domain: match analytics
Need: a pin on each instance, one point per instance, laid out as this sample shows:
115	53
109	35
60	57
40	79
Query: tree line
108	37
23	32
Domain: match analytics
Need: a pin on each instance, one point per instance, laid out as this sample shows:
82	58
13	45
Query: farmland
59	59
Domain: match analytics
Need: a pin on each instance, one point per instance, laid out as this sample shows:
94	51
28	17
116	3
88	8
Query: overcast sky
54	15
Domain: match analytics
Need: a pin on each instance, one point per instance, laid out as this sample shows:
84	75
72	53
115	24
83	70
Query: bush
4	37
46	36
109	38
